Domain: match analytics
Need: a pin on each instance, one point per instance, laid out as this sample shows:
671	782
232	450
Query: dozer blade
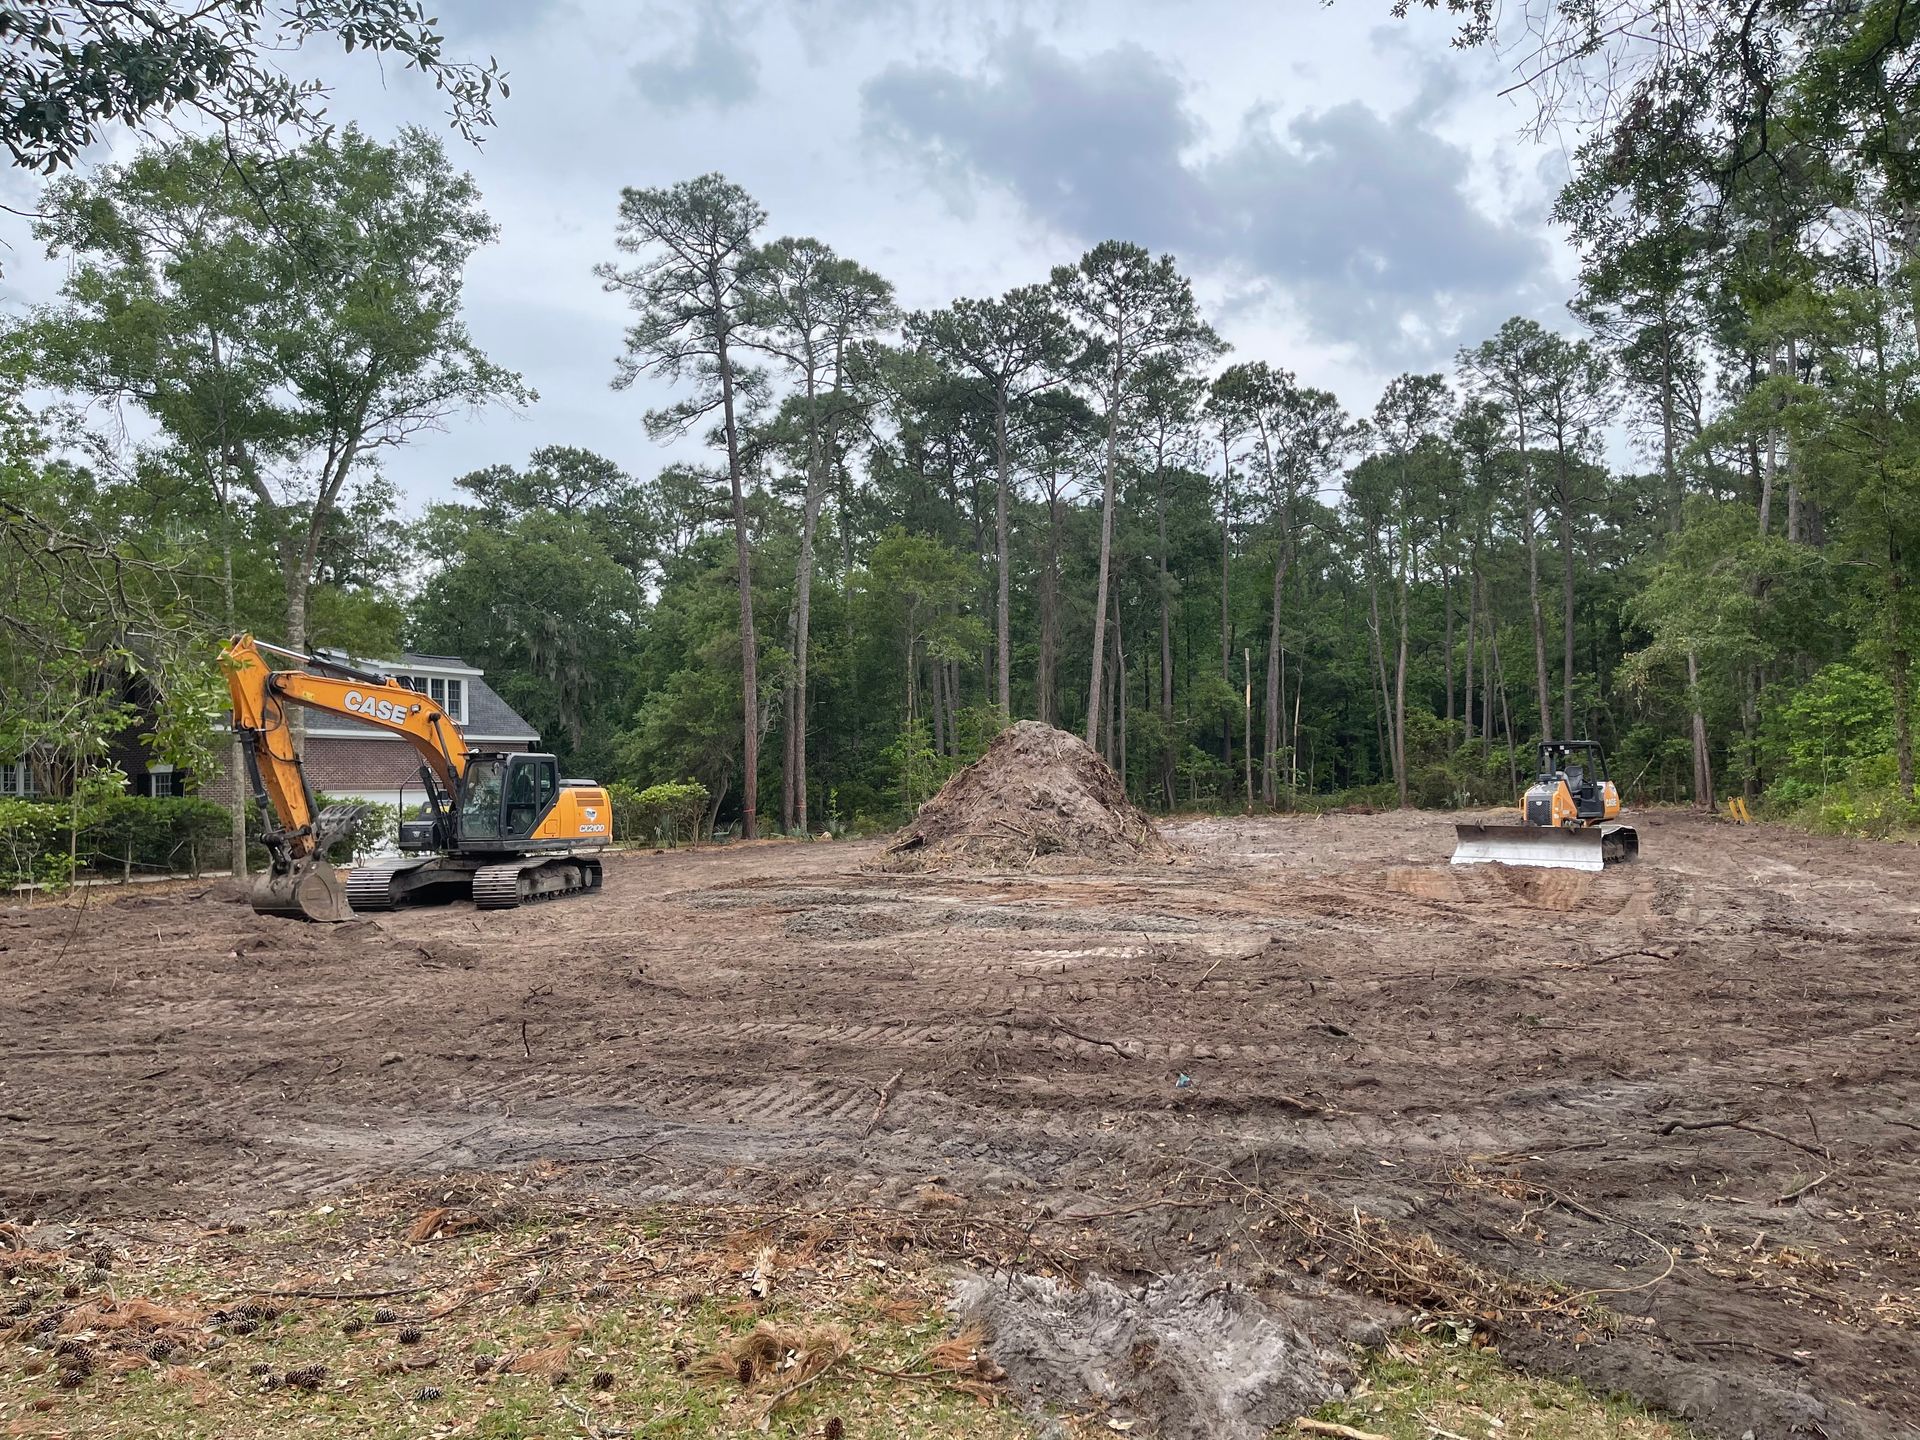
1592	848
315	894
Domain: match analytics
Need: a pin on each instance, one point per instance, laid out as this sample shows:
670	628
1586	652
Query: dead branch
886	1098
1741	1122
1793	1195
1066	1029
1342	1432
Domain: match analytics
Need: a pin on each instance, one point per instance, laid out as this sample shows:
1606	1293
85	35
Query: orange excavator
499	826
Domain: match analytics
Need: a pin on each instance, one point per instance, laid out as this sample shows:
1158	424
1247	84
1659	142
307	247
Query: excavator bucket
311	894
1591	848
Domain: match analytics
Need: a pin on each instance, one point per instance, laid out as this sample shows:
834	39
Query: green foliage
1836	728
33	844
659	814
117	834
1867	803
71	70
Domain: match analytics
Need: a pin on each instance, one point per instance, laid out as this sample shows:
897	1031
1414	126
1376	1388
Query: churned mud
1659	1127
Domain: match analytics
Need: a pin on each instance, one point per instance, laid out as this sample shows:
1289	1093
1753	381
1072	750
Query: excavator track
371	886
519	882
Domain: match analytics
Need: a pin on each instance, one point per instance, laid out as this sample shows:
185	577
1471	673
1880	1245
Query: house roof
489	716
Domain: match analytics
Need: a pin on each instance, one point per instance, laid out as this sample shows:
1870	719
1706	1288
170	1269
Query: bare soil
1661	1124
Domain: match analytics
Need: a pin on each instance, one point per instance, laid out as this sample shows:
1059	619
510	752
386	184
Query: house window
451	694
16	779
165	783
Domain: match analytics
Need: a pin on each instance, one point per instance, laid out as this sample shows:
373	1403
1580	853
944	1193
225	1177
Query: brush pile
1039	799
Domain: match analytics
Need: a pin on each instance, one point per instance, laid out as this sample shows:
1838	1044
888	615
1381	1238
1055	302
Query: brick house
349	760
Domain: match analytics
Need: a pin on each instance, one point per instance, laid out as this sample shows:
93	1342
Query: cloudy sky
1351	196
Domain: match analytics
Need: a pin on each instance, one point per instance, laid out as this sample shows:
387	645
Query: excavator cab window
532	782
480	799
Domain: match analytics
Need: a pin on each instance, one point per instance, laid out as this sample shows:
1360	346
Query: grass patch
1421	1388
499	1326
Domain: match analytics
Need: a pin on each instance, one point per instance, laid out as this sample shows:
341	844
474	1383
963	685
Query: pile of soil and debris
1038	799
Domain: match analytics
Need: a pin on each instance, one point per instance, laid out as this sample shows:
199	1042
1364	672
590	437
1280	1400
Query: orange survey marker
1737	811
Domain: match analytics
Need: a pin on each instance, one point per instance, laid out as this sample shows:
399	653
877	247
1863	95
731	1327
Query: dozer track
1591	847
516	882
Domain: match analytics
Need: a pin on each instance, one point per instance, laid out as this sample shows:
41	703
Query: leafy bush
1867	803
128	833
165	834
33	843
659	813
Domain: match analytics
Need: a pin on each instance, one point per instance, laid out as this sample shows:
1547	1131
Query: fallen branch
1740	1122
886	1098
1343	1432
1793	1195
1065	1029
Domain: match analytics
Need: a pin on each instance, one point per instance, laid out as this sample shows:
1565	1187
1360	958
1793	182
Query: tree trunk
1049	612
787	738
1119	695
1446	605
1473	621
803	609
1771	462
1389	746
1702	760
1899	667
1246	678
1270	733
1506	718
1226	597
1566	615
1166	656
1533	573
1400	685
749	641
936	701
1106	556
1002	629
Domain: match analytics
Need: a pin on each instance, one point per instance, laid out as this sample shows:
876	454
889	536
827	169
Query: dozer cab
500	827
1565	818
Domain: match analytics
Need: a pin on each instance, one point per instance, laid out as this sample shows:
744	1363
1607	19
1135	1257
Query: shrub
659	813
33	844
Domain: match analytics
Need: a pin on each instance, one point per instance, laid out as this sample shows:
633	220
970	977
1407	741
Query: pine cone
260	1367
160	1349
383	1315
603	1380
426	1393
482	1364
412	1335
244	1327
71	1379
836	1428
353	1325
70	1290
307	1377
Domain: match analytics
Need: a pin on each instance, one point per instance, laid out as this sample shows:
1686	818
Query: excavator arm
299	882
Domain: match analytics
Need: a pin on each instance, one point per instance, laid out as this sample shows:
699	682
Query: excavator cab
503	798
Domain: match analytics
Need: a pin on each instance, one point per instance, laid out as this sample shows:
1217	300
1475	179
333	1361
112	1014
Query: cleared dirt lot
1689	1087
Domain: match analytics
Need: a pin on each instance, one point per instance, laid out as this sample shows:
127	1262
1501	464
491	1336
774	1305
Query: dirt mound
1038	799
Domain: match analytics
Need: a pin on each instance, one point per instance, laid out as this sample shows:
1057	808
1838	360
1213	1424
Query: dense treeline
1071	501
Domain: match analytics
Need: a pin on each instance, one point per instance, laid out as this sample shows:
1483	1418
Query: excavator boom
299	882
